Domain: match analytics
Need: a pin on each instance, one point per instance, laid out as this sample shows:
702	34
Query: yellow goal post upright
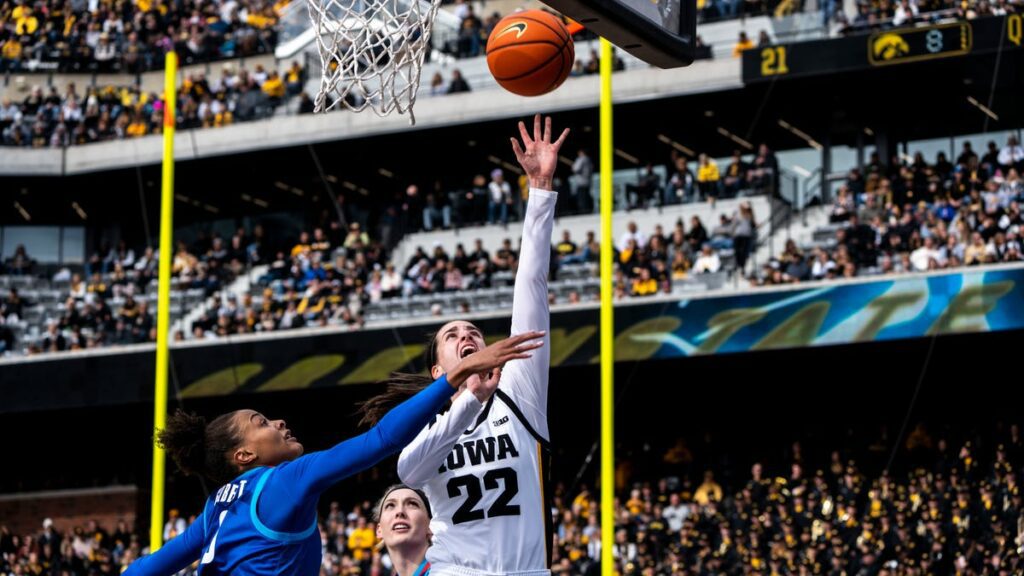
607	317
163	308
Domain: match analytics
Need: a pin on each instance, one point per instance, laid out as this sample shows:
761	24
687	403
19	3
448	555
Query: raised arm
527	381
302	480
418	462
173	556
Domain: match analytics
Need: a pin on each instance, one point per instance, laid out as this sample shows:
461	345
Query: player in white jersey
482	463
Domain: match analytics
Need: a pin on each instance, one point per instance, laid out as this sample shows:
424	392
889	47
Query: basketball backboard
660	32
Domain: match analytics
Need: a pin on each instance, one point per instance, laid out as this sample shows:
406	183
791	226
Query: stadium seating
949	508
911	218
48	300
95	38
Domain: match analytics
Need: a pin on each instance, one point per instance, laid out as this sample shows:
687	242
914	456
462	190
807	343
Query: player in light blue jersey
262	521
403	518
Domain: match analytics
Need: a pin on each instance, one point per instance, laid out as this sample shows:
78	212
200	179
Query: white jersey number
467	512
209	554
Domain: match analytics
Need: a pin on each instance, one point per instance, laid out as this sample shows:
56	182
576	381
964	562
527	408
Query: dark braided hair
200	448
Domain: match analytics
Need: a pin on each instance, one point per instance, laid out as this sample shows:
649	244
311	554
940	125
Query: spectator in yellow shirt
635	504
137	127
645	285
274	88
302	248
742	44
680	266
708	177
361	541
20	12
709	491
293	79
25	22
10	55
262	20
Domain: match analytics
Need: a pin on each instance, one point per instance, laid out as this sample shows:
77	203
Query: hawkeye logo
918	44
518	27
889	47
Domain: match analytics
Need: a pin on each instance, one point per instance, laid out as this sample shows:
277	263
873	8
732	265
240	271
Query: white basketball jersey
482	466
492	488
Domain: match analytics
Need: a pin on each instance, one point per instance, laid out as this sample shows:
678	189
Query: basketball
530	53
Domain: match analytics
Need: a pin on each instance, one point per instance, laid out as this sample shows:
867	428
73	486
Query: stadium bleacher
914	217
824	251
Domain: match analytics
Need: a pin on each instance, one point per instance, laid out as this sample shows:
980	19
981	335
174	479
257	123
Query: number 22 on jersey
467	512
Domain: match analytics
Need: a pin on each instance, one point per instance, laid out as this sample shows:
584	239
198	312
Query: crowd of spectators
954	511
317	284
111	302
84	550
649	264
913	216
705	181
131	37
898	217
878	13
51	118
79	35
456	84
494	199
948	506
54	119
473	30
718	10
324	279
329	275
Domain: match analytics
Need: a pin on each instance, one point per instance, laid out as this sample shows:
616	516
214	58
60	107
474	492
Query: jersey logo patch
501	421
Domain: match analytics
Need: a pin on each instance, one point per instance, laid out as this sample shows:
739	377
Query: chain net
371	52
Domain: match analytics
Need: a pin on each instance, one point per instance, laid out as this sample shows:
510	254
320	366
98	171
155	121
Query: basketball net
371	52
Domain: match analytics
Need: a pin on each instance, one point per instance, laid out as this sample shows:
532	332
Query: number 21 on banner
773	61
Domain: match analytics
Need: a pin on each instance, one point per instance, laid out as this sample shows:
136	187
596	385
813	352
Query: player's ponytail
400	386
200	448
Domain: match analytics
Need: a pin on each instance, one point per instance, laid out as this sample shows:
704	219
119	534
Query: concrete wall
24	513
29	162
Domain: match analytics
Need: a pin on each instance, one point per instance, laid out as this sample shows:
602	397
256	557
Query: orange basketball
530	53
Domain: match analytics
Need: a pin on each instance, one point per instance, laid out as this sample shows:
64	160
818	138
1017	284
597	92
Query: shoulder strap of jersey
507	400
545	474
483	415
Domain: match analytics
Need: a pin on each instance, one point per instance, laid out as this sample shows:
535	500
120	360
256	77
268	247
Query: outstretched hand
487	363
538	155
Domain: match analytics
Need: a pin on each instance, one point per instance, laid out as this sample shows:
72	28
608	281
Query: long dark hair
400	386
200	448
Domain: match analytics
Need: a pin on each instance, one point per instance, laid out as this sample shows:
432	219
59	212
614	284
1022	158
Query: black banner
884	48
